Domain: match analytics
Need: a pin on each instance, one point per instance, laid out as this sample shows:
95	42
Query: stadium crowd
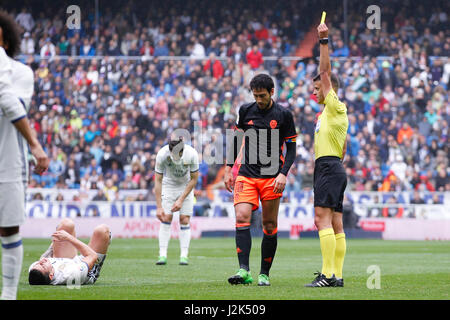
106	98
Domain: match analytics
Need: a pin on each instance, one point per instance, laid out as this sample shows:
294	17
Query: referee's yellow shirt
331	128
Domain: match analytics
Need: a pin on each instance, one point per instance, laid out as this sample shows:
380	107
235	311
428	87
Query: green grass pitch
408	270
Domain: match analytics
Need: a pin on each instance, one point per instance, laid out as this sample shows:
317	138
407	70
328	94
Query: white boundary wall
391	228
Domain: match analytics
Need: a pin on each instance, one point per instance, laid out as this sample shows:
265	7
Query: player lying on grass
61	264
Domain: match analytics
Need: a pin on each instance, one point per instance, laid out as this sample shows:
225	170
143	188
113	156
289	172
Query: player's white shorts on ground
12	204
169	196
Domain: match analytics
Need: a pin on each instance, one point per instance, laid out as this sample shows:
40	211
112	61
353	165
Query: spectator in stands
55	169
87	49
27	44
442	180
48	49
214	66
375	211
417	199
424	184
161	49
254	58
292	185
387	76
100	196
115	170
383	93
25	19
198	50
72	175
341	50
38	196
392	212
146	50
62	45
110	190
307	177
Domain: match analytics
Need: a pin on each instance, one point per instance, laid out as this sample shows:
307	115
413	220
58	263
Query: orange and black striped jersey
265	132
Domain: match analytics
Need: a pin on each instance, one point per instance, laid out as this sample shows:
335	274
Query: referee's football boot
339	282
241	277
263	280
322	281
161	261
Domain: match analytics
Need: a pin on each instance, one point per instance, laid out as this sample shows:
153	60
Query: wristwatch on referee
323	41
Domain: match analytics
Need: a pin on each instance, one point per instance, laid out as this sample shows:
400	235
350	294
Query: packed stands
106	97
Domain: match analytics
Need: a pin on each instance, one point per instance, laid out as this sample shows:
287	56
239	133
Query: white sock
185	239
12	256
164	237
100	257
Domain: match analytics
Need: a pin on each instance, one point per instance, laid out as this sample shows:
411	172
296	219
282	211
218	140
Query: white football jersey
176	174
13	146
10	106
68	271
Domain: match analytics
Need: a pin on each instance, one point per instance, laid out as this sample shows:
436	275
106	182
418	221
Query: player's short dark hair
10	33
333	78
262	81
173	143
36	277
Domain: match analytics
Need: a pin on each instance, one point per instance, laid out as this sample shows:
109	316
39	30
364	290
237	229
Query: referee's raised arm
324	62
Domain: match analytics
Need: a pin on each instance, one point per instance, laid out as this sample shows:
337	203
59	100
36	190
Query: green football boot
263	280
184	261
241	277
161	260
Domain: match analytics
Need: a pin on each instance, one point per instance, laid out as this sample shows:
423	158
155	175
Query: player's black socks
243	246
268	249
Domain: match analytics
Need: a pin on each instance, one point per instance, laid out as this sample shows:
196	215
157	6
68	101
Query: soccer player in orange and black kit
266	127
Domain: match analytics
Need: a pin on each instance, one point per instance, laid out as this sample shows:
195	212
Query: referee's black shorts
330	181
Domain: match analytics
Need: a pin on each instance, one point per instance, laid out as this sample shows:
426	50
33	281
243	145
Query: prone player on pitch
61	264
330	179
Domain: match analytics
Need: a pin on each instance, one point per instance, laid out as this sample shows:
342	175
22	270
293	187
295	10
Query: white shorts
12	204
169	196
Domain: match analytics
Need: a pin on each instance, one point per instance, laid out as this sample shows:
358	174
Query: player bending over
176	176
61	264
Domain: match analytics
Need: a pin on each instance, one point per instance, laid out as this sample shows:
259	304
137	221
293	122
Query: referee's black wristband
323	41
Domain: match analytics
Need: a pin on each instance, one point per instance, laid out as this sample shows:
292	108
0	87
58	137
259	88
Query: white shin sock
12	256
185	239
164	237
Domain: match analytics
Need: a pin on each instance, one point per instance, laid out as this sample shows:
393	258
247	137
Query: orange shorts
251	190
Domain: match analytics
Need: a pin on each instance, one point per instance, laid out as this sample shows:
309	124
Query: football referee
330	178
